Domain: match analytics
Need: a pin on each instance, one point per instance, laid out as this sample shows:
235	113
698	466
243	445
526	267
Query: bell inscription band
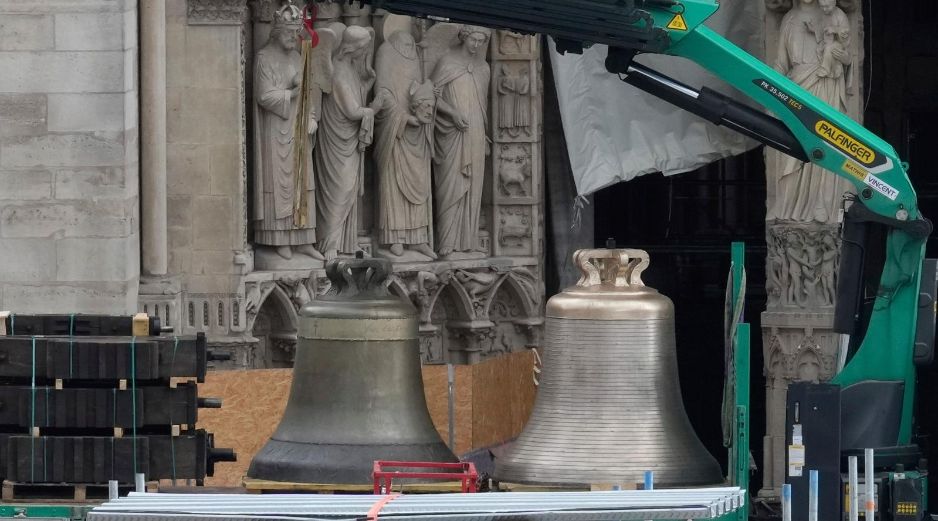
357	393
609	404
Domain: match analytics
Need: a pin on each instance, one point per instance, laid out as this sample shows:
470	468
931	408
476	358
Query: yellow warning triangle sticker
678	23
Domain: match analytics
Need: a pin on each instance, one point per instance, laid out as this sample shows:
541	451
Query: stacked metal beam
713	503
82	401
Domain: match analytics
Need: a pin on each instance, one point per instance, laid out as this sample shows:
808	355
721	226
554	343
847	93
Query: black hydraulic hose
717	109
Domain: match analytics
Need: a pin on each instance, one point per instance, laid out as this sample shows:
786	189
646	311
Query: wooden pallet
63	492
596	487
260	486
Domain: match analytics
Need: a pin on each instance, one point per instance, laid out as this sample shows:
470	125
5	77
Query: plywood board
252	405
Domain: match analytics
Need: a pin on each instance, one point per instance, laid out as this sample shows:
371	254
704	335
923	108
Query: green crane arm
806	128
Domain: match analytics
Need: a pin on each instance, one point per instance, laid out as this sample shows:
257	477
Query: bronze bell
357	393
609	405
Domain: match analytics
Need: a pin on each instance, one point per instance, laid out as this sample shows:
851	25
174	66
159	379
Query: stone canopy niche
414	141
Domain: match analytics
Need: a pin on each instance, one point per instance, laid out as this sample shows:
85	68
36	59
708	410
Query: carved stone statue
511	43
404	148
813	53
461	143
284	187
346	129
514	115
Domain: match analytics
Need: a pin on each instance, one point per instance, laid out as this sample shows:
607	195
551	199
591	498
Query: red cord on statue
309	16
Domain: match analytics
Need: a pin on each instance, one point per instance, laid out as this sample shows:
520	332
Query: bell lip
337	463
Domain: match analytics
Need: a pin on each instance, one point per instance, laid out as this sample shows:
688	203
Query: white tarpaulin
616	132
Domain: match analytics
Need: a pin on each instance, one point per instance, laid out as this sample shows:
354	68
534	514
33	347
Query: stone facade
69	156
818	44
474	304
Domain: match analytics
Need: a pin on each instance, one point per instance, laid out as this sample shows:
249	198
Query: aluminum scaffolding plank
710	503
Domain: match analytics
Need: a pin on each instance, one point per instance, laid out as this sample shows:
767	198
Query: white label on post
795	460
796	438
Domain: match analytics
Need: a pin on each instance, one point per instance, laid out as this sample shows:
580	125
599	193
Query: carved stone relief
514	85
802	266
216	12
516	228
515	171
424	150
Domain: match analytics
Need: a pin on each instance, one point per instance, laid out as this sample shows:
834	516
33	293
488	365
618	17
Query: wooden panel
436	390
503	395
252	405
523	390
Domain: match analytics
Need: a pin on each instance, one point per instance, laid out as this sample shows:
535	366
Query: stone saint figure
284	188
460	141
346	129
805	192
403	147
514	105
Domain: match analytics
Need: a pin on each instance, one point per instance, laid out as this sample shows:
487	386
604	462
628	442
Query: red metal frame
469	477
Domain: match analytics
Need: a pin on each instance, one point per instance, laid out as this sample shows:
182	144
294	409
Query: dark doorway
687	224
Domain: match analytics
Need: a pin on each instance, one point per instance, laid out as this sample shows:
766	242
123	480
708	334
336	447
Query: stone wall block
131	34
130	70
65	6
89	31
210	285
179	210
26	260
71	298
22	114
32	72
100	149
213	223
131	103
212	262
86	112
83	259
187	170
26	32
211	56
210	115
225	168
87	183
25	185
184	121
75	219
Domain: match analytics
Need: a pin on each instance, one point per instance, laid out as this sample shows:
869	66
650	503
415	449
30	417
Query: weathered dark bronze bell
609	406
357	393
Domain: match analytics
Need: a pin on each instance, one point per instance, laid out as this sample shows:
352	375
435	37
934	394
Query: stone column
823	44
153	136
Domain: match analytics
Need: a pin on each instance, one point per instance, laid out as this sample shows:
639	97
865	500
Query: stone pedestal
798	346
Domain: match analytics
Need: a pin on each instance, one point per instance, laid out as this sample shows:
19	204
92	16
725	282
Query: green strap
172	439
32	417
133	395
71	343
